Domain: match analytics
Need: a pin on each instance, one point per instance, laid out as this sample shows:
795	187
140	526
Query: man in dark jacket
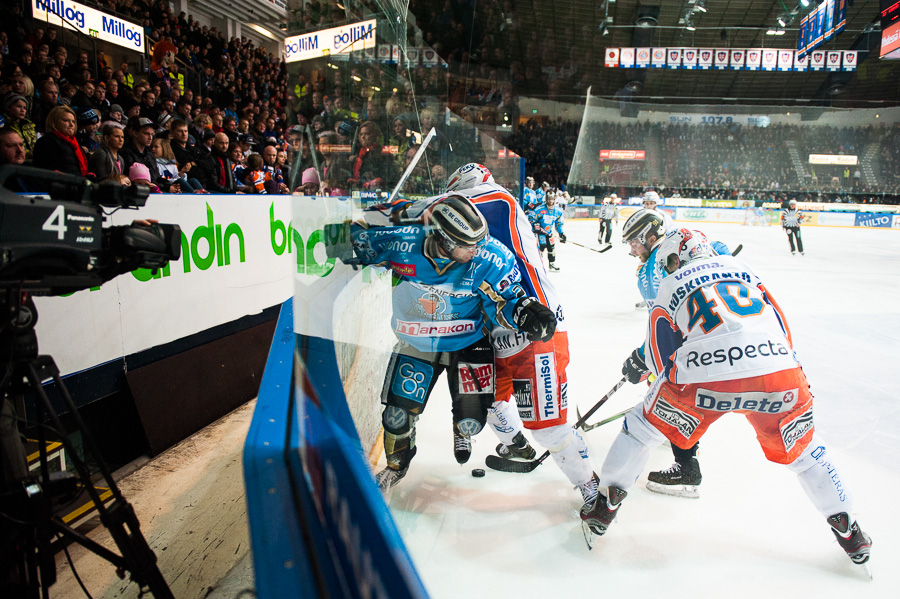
216	168
182	146
137	149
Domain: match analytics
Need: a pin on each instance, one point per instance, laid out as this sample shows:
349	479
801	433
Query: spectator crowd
229	117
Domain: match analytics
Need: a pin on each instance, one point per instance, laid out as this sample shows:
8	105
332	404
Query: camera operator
137	149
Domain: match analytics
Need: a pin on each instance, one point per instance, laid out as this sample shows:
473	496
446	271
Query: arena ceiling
725	24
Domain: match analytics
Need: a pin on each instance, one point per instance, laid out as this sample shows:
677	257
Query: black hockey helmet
642	223
458	223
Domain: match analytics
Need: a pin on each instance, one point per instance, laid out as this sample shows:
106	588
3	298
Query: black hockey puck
477	472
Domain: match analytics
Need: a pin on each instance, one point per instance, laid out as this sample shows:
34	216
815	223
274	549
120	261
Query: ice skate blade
589	536
867	567
689	491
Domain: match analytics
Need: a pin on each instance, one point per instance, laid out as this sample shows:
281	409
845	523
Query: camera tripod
27	522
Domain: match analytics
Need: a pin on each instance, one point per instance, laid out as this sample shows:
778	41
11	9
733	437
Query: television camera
55	243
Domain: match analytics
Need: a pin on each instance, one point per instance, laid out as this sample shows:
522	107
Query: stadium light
804	3
701	6
778	31
690	27
355	78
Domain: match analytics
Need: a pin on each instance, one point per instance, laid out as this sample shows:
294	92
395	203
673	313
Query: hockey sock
568	450
630	451
821	480
503	418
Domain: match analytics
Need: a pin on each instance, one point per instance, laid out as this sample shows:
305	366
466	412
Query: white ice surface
752	533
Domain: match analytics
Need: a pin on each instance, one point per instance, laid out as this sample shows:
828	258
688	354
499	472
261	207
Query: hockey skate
389	477
520	449
597	515
641	305
553	267
681	479
462	448
852	539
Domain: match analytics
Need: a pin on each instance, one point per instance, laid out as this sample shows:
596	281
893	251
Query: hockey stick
607	248
590	427
415	161
738	249
495	462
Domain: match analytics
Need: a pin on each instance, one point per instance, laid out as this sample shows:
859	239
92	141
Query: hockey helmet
793	202
651	197
468	176
643	223
457	223
686	246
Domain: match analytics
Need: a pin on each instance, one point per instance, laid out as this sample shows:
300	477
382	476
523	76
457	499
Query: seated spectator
12	147
15	108
169	169
216	168
105	163
371	168
139	174
58	150
238	166
137	149
275	176
88	125
256	177
309	184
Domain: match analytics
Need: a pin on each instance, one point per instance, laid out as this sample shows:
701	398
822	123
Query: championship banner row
821	25
749	59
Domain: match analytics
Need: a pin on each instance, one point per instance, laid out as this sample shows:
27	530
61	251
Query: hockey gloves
535	319
634	367
562	237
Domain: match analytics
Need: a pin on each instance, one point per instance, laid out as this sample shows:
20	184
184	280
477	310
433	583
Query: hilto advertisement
89	21
337	40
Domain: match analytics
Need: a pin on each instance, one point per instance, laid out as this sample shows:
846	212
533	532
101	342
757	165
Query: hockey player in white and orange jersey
718	343
531	372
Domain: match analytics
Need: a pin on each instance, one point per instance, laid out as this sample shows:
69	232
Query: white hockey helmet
613	196
686	246
651	196
793	202
641	224
468	176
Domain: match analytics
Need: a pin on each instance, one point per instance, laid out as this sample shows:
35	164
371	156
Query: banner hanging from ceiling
740	59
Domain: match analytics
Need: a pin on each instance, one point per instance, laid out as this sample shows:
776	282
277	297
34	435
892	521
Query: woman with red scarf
58	150
371	168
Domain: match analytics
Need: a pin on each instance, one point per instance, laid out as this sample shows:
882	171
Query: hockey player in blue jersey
454	284
644	231
529	196
545	219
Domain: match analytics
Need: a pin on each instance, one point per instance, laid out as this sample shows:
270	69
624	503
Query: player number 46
733	295
56	222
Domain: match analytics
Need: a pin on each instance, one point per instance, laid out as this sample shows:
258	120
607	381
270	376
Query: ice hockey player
516	357
545	219
608	211
455	283
542	193
529	196
562	200
791	218
718	343
644	231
